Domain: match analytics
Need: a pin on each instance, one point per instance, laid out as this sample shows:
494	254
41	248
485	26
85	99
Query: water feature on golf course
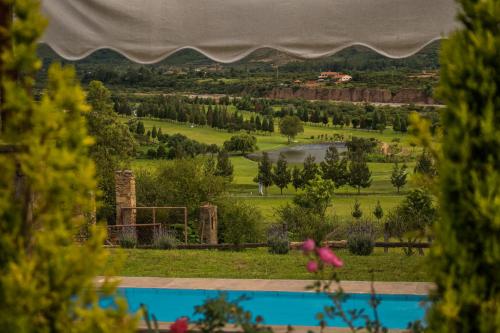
297	153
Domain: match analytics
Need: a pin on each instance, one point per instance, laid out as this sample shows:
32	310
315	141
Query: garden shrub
165	240
304	223
361	238
127	239
238	223
277	239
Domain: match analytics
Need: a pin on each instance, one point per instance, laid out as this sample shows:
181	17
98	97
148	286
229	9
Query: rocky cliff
370	95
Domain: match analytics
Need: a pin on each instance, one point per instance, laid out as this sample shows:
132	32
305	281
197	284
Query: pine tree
224	167
465	256
359	173
356	210
140	128
265	172
154	133
310	169
398	176
271	124
378	211
281	174
335	168
46	277
396	124
297	178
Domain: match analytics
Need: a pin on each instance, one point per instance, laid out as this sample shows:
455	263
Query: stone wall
125	197
371	95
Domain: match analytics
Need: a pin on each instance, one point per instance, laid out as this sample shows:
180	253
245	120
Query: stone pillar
208	224
125	197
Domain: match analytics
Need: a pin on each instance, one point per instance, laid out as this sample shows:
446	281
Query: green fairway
245	170
259	264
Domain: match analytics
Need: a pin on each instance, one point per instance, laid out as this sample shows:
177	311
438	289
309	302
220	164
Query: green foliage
334	167
378	211
277	239
359	173
46	278
290	126
310	170
218	312
113	148
184	182
265	171
244	143
165	240
398	176
466	256
304	223
361	238
281	174
425	165
297	181
127	238
412	218
317	195
238	223
224	167
356	210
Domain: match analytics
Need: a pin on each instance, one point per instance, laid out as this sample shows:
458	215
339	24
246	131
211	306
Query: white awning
147	31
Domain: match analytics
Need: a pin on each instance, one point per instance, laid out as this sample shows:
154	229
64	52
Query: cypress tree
297	178
281	173
224	167
46	277
154	133
465	257
265	172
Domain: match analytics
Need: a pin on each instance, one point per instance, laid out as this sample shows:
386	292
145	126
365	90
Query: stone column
125	197
208	224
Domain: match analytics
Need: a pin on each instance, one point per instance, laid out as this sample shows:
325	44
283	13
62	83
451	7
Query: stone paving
355	287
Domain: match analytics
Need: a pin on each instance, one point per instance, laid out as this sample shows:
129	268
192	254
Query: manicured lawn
245	170
259	264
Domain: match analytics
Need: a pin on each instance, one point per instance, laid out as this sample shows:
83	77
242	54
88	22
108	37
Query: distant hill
354	58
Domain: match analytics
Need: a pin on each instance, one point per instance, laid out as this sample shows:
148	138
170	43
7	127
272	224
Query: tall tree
398	176
224	166
46	278
281	174
265	172
360	175
465	256
290	126
114	145
244	143
297	181
310	169
334	167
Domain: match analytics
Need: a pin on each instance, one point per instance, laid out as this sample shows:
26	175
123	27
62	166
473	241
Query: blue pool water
277	308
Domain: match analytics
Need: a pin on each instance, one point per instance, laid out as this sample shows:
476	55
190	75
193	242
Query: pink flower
312	266
328	257
179	326
308	246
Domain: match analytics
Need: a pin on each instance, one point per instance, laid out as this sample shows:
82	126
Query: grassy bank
259	264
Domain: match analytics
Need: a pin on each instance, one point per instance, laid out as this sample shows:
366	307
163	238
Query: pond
298	153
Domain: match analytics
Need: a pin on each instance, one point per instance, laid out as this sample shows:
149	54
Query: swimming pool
277	308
